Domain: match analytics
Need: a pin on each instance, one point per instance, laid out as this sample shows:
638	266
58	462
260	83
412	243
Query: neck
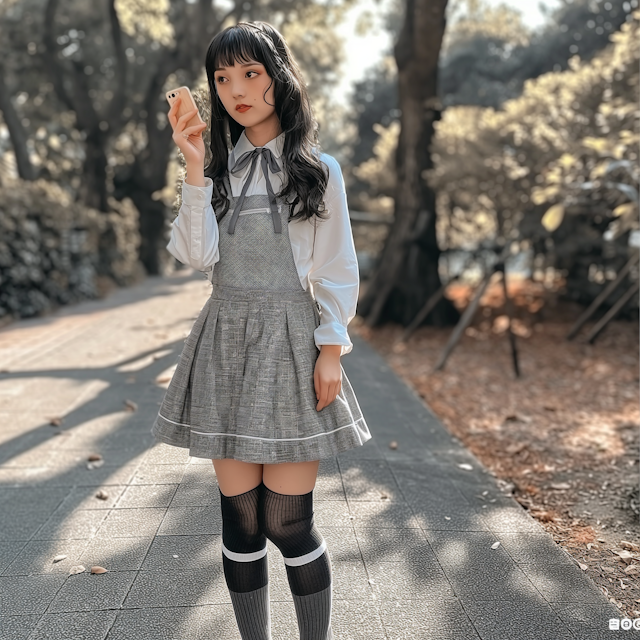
261	133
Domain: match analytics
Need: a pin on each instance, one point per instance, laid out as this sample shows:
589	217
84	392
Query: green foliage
567	145
149	32
488	54
54	251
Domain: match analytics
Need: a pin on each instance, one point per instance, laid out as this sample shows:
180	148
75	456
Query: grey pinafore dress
244	384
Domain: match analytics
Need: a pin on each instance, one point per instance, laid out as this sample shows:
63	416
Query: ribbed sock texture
314	615
252	613
288	522
244	559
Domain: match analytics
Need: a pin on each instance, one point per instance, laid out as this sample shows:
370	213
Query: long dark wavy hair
304	179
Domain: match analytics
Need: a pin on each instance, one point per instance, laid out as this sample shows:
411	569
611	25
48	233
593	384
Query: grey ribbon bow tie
267	160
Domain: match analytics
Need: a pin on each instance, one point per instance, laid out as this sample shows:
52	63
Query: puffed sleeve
334	274
194	233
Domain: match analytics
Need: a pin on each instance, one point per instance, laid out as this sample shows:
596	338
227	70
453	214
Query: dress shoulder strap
227	185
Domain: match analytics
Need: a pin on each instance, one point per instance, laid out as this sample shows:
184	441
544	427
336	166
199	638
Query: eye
220	78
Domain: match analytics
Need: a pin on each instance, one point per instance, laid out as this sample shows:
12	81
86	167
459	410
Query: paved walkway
411	531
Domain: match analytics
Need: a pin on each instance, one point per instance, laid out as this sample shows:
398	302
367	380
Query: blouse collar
275	145
247	156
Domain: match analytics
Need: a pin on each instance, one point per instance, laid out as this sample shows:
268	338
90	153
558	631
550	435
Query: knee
288	521
244	546
240	528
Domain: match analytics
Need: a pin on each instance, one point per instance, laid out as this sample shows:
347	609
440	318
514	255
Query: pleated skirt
244	384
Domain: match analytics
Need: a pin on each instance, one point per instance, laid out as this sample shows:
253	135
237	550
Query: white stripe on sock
309	557
244	557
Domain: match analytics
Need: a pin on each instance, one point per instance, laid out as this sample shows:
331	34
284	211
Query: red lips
242	107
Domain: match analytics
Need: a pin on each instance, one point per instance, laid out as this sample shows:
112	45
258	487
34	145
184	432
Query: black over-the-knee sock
288	522
244	559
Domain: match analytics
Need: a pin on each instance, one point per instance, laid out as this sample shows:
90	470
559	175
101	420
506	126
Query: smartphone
187	103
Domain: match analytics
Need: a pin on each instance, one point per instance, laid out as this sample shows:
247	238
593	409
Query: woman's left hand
327	376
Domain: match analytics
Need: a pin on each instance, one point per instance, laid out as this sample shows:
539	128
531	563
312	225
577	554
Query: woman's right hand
192	147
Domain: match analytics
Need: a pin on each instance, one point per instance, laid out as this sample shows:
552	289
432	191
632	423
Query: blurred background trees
532	122
530	141
407	273
82	99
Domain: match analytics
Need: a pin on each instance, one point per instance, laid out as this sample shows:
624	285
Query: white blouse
324	252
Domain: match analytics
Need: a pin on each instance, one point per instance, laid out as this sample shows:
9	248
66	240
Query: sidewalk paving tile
18	627
131	523
91	592
123	554
85	625
21	595
37	557
409	527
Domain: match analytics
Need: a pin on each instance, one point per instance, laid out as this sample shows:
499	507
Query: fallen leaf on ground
55	422
130	405
495	545
94	456
98	569
103	495
544	516
516	448
78	568
59	558
625	556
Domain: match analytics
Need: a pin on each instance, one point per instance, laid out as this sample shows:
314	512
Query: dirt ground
563	437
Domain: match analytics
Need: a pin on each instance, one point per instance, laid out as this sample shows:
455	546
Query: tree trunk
148	174
93	190
408	270
153	214
17	133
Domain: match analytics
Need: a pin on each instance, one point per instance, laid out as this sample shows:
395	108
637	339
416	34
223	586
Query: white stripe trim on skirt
210	433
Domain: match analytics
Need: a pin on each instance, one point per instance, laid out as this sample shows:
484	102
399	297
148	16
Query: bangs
237	45
306	174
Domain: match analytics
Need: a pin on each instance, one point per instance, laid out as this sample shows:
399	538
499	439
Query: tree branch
116	107
50	58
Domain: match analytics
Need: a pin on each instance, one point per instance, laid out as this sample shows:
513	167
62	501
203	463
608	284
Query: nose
237	89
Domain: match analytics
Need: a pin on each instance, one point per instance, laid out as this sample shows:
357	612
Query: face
245	84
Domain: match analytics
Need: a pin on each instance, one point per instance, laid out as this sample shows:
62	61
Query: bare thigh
291	478
236	477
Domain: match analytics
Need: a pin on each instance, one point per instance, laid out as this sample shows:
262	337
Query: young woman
259	387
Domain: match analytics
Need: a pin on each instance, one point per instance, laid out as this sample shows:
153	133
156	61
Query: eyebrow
248	64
